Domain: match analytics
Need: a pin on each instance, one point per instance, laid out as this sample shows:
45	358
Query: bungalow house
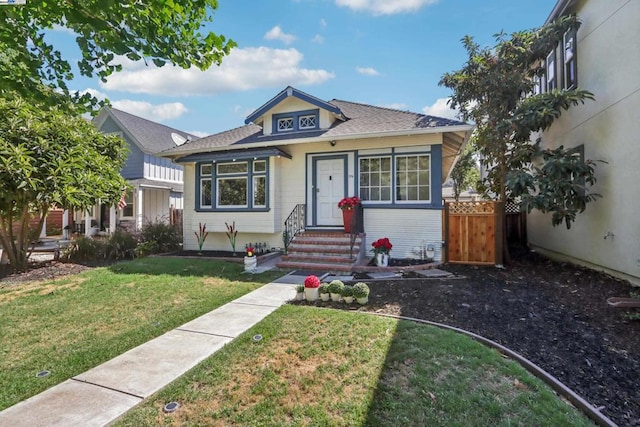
156	182
297	156
604	58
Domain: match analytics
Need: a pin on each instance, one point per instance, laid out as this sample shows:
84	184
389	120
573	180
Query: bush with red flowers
382	246
311	282
349	203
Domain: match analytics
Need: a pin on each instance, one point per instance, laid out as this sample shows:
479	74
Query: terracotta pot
347	214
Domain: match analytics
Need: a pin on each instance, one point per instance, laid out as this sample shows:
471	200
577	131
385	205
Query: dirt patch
554	314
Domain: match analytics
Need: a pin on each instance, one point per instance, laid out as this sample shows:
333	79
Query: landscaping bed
552	313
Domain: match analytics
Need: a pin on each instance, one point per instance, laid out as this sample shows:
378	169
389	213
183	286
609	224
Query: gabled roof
286	93
150	136
360	121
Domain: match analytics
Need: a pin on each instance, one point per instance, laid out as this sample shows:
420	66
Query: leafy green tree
50	158
168	31
495	89
465	173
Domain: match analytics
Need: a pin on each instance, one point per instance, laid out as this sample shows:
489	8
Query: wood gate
473	232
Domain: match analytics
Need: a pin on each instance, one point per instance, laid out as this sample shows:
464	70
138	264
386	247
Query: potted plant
348	206
361	293
323	290
299	292
347	294
381	249
250	260
335	289
311	285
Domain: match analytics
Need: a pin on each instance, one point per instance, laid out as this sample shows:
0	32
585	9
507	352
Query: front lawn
320	367
71	324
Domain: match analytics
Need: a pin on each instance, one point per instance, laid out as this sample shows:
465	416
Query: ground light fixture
257	337
171	407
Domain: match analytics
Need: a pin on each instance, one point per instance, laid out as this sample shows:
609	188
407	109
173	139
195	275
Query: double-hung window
570	60
233	185
395	179
551	71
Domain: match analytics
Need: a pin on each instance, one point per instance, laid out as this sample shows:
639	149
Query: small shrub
146	248
323	288
299	288
166	237
121	245
84	249
347	291
336	286
360	290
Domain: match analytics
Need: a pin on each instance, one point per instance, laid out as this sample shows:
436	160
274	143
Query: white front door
330	187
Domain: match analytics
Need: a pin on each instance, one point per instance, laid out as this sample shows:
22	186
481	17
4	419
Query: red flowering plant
382	246
349	203
250	251
311	282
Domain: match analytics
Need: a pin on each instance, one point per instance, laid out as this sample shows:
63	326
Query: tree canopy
51	158
495	89
465	173
168	31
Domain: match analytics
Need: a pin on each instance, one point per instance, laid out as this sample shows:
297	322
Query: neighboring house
297	150
156	181
604	58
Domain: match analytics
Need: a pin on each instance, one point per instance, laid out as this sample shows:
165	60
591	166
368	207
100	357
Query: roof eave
559	9
410	132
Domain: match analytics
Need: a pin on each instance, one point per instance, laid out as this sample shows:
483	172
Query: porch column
87	223
112	219
140	204
43	232
65	223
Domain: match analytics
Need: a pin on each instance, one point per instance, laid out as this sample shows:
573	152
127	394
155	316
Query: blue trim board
284	94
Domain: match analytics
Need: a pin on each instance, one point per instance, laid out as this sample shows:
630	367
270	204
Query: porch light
431	251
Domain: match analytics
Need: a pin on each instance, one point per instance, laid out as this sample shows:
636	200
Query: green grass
72	324
318	367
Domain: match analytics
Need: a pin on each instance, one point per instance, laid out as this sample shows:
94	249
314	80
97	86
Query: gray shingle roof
153	137
361	119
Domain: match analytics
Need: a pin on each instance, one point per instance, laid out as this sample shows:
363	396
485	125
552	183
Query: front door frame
314	183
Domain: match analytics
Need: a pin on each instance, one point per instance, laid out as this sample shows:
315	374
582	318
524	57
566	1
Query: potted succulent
361	293
335	289
299	292
323	290
347	294
311	285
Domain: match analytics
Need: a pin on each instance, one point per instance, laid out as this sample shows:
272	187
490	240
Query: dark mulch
554	314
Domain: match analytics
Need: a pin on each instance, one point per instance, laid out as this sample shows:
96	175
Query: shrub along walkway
104	393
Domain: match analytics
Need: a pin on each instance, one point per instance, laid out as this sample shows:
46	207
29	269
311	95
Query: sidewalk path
104	393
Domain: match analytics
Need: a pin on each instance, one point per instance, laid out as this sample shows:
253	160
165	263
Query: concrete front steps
322	250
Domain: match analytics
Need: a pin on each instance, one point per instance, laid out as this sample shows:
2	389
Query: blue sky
389	53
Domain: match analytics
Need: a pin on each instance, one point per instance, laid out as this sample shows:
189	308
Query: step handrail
294	224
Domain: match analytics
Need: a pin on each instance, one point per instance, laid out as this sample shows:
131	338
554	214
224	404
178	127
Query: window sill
232	210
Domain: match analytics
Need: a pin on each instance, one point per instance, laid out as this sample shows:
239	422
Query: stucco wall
608	64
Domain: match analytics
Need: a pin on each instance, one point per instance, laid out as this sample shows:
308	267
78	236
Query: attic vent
178	139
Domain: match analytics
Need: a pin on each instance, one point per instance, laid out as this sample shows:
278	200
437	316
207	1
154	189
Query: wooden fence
175	217
473	232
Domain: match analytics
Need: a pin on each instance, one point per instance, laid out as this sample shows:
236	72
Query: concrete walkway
104	393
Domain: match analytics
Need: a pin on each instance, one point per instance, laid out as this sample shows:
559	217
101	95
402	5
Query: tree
50	158
465	173
161	32
494	89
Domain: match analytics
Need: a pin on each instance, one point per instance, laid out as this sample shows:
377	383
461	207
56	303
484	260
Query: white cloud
385	7
368	71
198	133
243	69
396	106
157	113
441	108
317	39
323	23
276	33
